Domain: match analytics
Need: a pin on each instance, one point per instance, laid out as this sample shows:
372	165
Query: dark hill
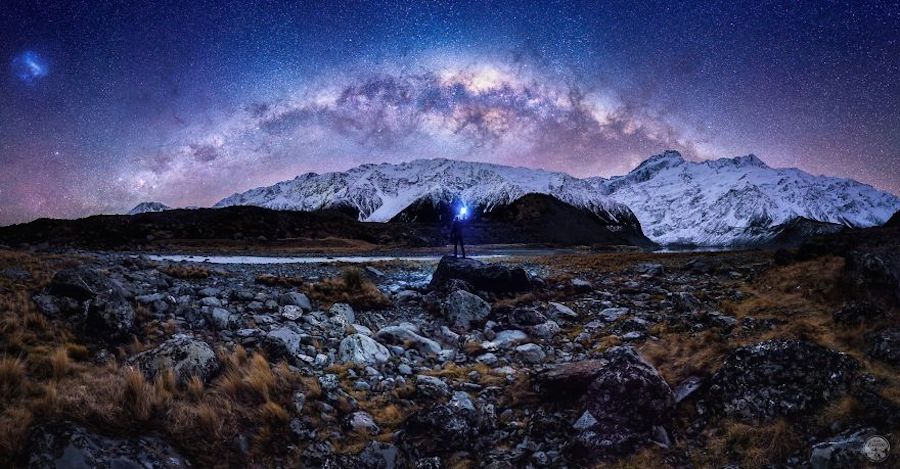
230	223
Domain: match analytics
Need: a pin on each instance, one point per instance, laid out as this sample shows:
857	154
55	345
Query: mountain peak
749	160
146	207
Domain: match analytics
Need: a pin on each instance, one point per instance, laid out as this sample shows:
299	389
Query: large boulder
185	355
283	343
628	404
842	451
456	425
462	308
102	309
69	445
485	277
779	378
876	272
568	379
362	350
856	313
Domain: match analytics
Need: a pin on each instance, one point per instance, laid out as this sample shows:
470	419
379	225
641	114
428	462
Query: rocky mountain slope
148	207
733	201
380	192
730	201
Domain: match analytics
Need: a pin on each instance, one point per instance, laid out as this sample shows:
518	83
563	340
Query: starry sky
104	104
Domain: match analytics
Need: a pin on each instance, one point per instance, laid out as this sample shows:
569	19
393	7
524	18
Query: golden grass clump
279	281
352	287
186	272
12	377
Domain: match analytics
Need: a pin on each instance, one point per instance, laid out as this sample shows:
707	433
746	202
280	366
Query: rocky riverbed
560	361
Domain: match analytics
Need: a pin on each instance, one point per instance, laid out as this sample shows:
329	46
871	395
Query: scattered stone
359	349
296	299
432	387
291	312
462	308
686	302
185	355
343	310
399	335
612	314
70	445
362	422
569	379
505	340
560	311
531	353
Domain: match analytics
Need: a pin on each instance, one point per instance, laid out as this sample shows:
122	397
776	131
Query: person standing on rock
456	236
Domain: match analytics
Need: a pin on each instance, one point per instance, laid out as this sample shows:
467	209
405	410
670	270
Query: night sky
106	104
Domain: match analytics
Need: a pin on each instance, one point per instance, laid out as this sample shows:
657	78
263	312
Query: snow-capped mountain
738	200
379	192
148	207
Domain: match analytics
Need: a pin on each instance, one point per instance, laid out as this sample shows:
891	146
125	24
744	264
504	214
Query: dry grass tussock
186	272
352	287
279	281
46	374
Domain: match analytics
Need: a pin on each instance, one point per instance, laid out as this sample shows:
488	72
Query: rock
378	455
357	348
531	353
884	345
687	388
343	310
560	311
629	401
70	445
398	335
545	330
612	314
876	271
363	423
842	451
102	310
520	317
505	339
407	296
282	343
566	380
291	312
223	319
373	272
184	354
432	387
448	427
462	308
296	299
856	313
581	285
488	359
485	277
211	301
686	302
779	378
648	268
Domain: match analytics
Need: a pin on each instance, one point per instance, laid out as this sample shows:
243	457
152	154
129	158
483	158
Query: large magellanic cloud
488	111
